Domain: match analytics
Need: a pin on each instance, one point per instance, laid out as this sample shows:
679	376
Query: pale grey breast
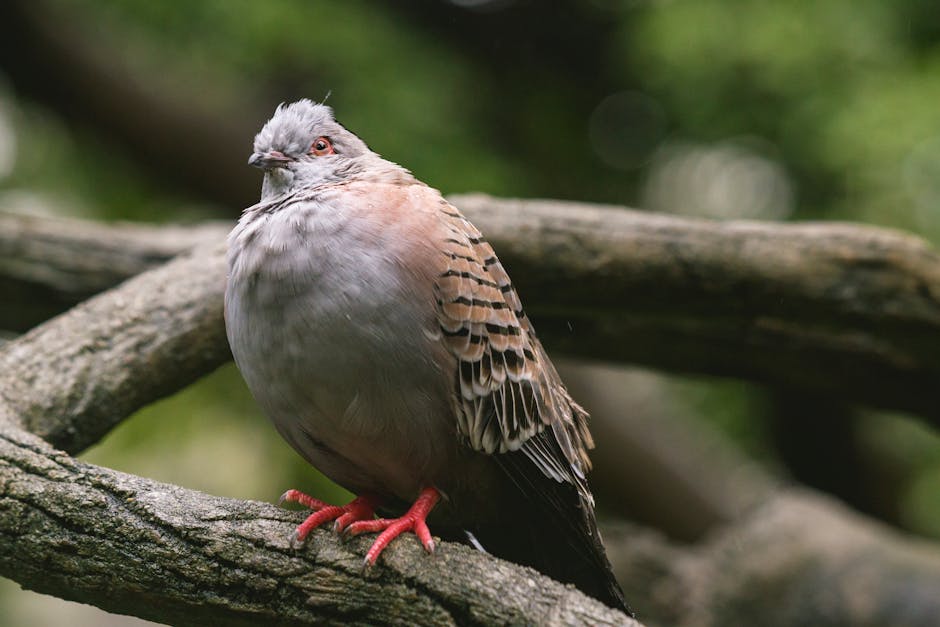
335	345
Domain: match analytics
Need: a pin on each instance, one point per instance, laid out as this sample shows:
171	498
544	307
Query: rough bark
72	379
847	311
134	546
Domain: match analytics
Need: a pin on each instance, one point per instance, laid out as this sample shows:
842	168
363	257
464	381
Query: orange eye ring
321	146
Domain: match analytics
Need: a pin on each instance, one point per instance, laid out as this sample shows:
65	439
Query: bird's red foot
361	508
413	520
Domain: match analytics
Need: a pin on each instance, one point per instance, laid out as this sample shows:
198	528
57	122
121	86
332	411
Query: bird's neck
276	183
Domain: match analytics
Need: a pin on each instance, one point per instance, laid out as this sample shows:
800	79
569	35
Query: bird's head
303	135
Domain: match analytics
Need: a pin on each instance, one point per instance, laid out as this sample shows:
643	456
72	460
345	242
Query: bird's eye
321	146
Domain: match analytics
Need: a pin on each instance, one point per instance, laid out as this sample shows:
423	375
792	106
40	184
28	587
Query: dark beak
269	160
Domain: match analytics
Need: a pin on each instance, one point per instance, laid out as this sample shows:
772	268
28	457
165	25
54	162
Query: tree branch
134	546
848	311
72	379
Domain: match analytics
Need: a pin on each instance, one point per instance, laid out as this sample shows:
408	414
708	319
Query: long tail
552	528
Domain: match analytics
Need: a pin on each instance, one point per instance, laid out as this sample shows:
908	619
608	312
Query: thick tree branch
848	311
135	546
75	377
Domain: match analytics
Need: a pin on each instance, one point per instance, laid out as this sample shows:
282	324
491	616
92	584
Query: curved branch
849	311
134	546
74	378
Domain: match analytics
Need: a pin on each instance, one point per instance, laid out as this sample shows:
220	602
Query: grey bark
161	552
50	264
72	379
848	311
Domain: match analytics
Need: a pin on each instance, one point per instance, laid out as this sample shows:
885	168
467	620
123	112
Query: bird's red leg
413	520
361	508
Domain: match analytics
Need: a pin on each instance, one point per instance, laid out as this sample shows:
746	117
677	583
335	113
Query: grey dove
378	330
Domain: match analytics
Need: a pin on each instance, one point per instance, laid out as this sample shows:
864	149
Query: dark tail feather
536	543
551	528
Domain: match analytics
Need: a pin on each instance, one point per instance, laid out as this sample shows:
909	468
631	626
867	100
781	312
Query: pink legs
360	508
357	517
413	520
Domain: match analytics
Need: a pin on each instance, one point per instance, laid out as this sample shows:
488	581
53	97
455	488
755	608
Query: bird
375	326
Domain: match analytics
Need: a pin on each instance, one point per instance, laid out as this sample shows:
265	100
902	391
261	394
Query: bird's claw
356	517
296	542
296	496
360	508
391	528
